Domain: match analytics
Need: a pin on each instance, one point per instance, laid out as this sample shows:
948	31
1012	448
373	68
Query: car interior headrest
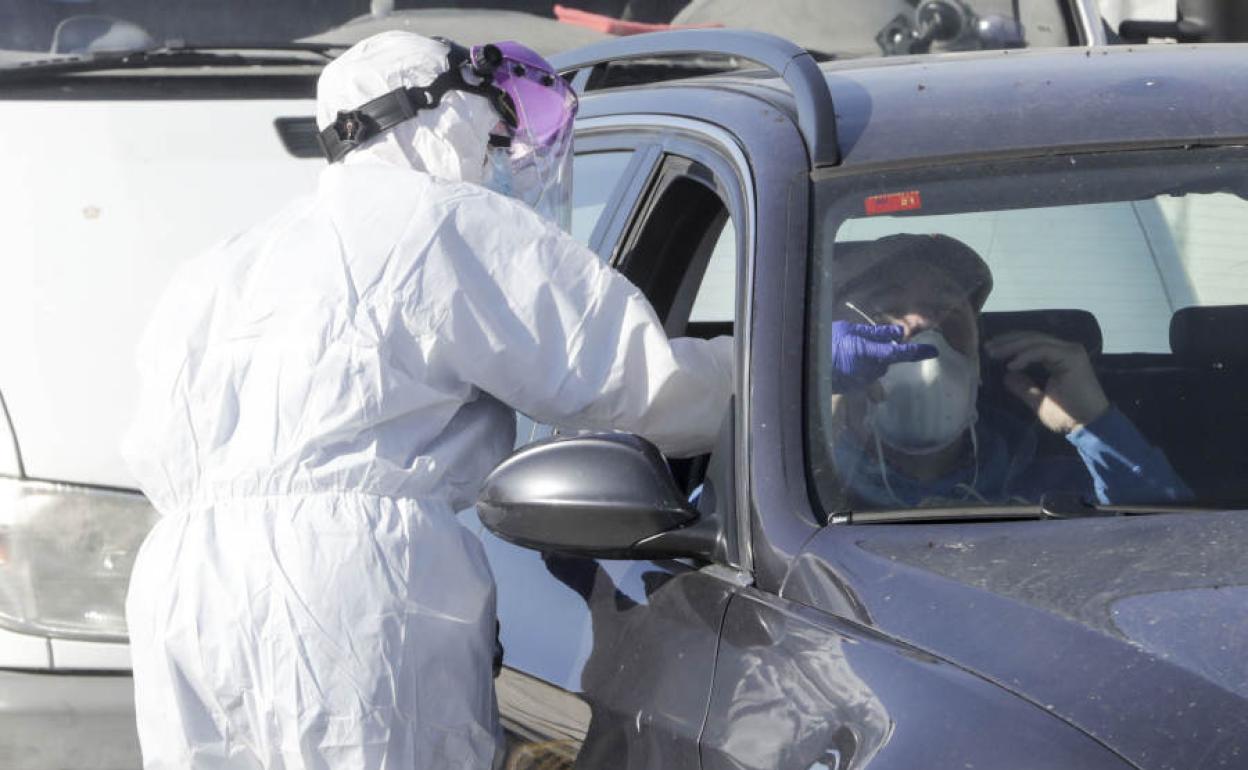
87	34
1210	336
1070	325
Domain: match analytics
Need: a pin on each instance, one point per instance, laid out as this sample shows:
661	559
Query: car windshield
844	28
83	26
1080	320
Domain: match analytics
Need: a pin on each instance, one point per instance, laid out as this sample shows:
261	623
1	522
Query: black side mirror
605	495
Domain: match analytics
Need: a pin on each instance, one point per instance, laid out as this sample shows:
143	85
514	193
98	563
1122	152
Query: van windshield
1080	320
847	28
89	26
86	26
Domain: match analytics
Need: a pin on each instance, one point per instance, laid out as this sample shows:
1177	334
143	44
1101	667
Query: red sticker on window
890	203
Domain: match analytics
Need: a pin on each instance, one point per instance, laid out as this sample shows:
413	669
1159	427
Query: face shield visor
530	152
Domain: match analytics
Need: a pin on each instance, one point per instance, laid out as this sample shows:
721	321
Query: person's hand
862	353
1070	398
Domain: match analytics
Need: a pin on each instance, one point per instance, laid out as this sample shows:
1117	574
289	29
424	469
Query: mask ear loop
975	460
969	488
879	447
879	457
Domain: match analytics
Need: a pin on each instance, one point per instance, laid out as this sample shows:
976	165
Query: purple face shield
530	156
530	152
536	104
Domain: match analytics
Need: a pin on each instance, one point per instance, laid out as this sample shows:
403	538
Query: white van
116	168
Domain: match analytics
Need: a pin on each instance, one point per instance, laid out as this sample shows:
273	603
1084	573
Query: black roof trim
816	117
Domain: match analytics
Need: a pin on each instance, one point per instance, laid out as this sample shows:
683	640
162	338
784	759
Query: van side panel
107	197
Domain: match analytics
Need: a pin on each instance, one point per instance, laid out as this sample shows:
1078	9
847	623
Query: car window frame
716	149
639	266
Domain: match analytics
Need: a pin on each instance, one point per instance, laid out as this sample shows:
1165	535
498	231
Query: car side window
594	178
683	256
684	251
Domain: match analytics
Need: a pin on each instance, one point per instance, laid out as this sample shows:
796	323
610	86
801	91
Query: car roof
912	109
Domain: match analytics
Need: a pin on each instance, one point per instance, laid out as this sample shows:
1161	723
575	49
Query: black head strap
354	127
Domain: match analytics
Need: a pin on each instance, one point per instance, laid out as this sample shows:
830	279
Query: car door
609	663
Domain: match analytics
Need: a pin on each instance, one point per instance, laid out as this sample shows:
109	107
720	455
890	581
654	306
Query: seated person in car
905	374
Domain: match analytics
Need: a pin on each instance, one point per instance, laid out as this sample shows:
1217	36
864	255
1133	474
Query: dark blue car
804	597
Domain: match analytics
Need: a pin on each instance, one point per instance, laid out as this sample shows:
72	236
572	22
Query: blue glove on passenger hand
862	353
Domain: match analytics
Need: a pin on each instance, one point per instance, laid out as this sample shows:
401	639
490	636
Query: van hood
1134	630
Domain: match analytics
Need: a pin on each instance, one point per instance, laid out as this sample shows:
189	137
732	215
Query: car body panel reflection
1141	647
619	652
797	689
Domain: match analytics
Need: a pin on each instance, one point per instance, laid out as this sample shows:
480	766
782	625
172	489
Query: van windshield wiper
176	55
1052	506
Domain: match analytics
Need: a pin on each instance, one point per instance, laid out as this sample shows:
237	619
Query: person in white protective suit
322	392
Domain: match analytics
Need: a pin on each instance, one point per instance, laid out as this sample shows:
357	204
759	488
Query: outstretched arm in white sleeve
536	320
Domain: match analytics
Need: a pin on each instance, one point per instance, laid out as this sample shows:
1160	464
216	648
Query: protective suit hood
448	142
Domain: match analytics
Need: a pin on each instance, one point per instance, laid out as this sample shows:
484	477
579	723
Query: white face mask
927	404
525	182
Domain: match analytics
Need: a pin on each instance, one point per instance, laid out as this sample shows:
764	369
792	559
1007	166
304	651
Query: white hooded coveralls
320	395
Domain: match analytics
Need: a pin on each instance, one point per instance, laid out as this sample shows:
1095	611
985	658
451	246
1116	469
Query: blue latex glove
862	353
